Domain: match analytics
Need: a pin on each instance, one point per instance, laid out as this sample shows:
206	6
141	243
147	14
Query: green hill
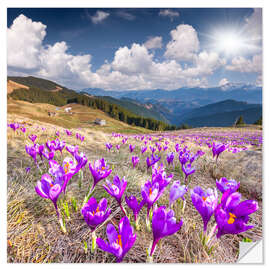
136	108
63	96
36	83
225	119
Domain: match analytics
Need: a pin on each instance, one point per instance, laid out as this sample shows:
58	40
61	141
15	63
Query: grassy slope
83	117
32	226
35	82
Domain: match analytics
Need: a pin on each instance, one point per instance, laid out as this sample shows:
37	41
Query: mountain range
180	106
217	106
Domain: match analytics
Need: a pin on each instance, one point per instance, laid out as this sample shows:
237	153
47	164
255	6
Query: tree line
66	96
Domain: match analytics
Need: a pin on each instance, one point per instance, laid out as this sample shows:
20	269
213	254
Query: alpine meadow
134	134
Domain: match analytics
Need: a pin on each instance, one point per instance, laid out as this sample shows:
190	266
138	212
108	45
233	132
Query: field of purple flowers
85	196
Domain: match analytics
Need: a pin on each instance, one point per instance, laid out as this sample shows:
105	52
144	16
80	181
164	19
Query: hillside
81	117
137	108
225	119
220	108
37	82
60	96
11	86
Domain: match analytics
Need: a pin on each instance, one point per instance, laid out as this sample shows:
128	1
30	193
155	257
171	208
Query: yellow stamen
150	191
51	185
66	167
204	198
231	218
119	241
94	212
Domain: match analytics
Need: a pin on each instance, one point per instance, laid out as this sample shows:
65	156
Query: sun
229	43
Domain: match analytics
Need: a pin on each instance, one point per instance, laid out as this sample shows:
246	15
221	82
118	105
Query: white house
68	109
100	122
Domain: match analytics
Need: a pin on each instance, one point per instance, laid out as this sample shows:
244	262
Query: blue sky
118	49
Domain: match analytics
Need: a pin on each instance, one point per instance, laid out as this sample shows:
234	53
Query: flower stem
87	197
122	208
94	238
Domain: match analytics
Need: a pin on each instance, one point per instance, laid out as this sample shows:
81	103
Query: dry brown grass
11	86
34	233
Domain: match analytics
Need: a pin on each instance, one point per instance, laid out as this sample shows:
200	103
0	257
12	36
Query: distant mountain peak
230	86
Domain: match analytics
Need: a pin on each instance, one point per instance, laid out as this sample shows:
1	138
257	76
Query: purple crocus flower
153	149
135	160
72	149
116	189
151	192
40	149
170	158
177	191
232	215
81	160
51	145
48	155
159	175
205	202
99	171
200	153
183	158
23	129
134	205
27	169
119	243
151	161
31	150
70	168
59	145
177	147
64	172
131	148
95	213
50	189
187	170
118	146
14	126
223	185
143	149
68	132
217	149
57	133
109	146
163	224
32	137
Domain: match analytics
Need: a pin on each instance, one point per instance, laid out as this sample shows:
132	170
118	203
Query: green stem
91	191
94	238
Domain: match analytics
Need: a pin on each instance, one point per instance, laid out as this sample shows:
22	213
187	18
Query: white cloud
125	15
169	13
184	43
133	60
223	82
253	26
24	41
205	64
259	81
133	67
153	43
99	16
241	64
